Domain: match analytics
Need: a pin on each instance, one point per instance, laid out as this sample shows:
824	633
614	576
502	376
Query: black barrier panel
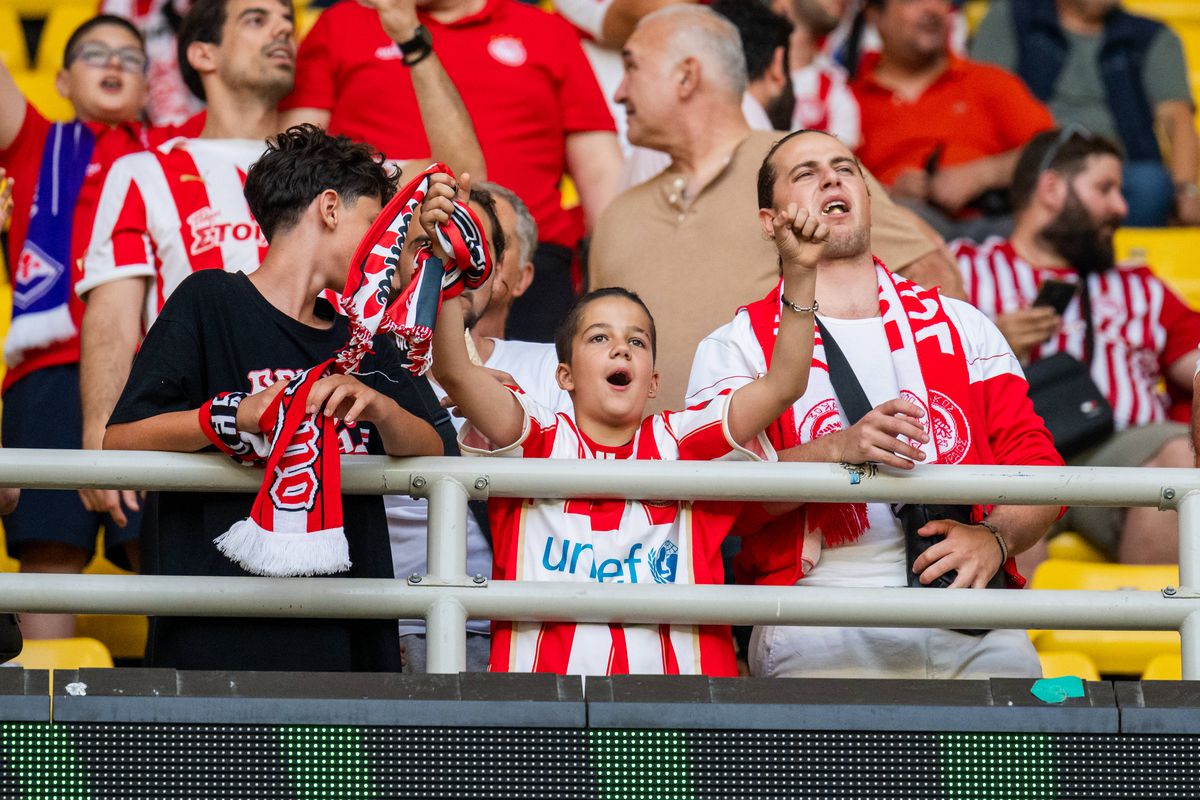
160	734
78	761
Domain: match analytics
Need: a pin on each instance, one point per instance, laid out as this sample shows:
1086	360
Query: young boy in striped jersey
606	349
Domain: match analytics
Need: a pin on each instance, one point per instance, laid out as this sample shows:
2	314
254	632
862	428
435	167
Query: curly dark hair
304	161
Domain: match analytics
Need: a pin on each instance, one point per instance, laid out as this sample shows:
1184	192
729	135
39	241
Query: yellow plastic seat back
39	89
63	654
1113	652
1070	546
61	22
1169	252
1166	667
1060	663
13	53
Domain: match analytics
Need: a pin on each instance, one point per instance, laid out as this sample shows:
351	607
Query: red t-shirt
970	111
23	161
522	75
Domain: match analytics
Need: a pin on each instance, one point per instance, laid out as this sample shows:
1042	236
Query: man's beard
853	243
780	109
1078	238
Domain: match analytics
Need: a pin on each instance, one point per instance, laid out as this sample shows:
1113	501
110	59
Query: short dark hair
304	161
204	22
766	170
1065	151
762	31
487	202
96	22
567	329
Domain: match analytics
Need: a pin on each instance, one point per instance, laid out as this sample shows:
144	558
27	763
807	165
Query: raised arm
451	135
14	105
492	409
800	240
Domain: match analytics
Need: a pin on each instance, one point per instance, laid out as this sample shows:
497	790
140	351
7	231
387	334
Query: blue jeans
1150	193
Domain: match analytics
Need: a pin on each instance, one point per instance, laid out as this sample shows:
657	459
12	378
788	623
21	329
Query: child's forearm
403	434
175	431
490	408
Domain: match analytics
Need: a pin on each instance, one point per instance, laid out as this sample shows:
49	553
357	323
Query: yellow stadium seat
1173	12
40	9
62	21
1059	663
1170	253
63	654
13	53
1070	546
974	11
1113	652
306	17
1167	667
38	87
124	635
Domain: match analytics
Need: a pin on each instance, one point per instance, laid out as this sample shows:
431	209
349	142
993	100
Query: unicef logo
663	562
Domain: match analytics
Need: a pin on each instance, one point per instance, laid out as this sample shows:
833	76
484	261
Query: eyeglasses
1069	132
99	55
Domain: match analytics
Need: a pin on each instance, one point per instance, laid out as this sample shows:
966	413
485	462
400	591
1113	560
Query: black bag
1075	411
11	641
913	517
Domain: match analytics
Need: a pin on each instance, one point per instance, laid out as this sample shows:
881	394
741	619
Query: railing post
1189	578
446	620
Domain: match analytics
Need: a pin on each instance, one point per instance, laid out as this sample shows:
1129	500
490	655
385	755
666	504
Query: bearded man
1139	337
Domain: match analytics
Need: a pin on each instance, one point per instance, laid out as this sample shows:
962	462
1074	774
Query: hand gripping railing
447	597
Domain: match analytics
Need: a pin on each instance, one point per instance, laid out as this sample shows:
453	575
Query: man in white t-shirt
941	385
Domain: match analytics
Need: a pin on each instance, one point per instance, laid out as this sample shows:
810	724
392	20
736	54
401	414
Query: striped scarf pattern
295	525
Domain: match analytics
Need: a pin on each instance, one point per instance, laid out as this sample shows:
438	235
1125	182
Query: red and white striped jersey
1141	326
614	541
167	213
825	102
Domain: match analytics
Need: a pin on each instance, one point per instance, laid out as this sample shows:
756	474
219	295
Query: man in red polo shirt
939	130
537	110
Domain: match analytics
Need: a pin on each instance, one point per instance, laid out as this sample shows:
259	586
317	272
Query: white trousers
794	652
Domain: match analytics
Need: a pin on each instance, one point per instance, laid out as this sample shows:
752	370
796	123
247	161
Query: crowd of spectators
177	253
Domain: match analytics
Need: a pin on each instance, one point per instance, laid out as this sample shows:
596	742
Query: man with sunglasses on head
56	172
1140	339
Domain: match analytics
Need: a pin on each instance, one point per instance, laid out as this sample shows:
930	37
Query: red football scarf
295	525
931	370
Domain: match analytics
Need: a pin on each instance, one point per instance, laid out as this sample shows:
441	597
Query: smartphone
1056	294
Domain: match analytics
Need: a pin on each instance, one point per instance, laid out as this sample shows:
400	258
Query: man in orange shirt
940	131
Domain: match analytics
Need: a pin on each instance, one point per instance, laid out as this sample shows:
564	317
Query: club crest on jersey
508	50
36	272
664	561
950	428
206	230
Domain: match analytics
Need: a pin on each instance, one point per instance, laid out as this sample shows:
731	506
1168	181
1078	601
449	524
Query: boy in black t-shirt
314	196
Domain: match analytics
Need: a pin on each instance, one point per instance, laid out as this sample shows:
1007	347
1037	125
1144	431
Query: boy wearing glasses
55	171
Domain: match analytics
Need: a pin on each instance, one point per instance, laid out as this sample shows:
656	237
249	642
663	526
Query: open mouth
111	83
620	378
835	208
282	53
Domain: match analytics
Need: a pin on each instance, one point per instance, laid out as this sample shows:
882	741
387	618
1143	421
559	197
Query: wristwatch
418	48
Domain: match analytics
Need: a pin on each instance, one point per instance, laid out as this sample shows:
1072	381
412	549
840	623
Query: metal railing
447	596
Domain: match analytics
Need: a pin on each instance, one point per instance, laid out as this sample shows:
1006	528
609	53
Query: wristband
813	309
416	49
218	420
995	532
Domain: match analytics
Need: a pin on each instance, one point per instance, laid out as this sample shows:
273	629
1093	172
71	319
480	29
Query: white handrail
447	596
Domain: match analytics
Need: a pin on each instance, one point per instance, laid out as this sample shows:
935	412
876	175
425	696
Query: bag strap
1085	310
849	391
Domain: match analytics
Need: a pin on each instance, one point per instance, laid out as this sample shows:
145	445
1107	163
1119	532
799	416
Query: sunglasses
1071	131
100	55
